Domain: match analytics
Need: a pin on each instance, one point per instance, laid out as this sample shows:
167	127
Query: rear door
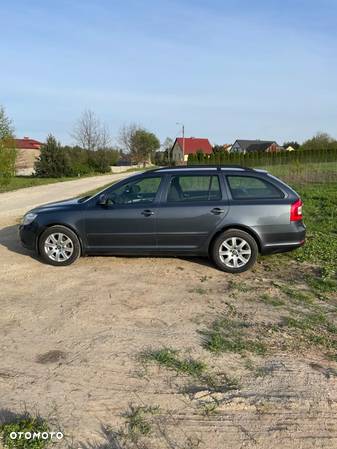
192	207
260	204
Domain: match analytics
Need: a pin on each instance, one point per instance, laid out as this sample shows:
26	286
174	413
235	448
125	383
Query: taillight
296	211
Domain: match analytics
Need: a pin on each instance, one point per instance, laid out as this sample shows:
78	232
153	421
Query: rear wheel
59	246
234	251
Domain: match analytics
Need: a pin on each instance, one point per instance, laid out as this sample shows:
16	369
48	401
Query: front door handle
147	213
217	211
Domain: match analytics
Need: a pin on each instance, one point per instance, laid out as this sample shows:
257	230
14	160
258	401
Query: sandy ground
70	340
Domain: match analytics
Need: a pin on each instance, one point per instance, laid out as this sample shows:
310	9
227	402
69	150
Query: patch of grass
295	294
25	423
324	285
229	335
272	301
197	370
320	216
315	328
21	182
239	286
138	422
169	358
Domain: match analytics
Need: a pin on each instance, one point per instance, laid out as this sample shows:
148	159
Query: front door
127	221
193	208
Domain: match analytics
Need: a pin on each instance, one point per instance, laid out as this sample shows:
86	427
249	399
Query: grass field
20	182
304	173
320	216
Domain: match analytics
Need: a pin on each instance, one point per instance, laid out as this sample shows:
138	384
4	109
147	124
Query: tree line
320	148
92	152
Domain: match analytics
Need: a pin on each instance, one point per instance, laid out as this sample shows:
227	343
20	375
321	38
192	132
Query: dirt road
19	201
71	341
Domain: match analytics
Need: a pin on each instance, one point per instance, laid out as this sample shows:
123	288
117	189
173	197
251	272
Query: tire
59	246
238	259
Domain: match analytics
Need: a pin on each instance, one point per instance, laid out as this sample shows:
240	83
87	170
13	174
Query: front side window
249	187
194	188
142	191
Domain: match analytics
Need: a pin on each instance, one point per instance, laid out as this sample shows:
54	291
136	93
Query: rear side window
249	187
194	188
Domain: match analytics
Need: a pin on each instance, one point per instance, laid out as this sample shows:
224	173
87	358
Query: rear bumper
282	247
283	238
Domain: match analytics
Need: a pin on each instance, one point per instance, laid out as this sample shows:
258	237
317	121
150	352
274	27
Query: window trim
284	195
171	176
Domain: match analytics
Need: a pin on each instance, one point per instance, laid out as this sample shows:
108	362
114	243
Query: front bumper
27	236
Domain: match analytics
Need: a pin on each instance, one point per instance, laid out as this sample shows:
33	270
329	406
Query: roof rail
186	167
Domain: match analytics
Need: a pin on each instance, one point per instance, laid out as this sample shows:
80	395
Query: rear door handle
147	213
217	211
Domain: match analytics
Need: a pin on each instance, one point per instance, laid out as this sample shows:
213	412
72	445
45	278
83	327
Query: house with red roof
28	150
183	146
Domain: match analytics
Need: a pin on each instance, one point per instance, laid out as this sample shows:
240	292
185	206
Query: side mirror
103	200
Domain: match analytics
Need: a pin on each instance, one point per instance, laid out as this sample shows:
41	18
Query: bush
7	161
7	148
56	161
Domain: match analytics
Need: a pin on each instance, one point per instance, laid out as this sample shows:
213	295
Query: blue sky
227	69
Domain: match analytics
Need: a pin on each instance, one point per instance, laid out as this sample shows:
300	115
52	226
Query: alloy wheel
235	252
58	247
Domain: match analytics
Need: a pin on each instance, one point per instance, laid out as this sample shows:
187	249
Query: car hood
65	204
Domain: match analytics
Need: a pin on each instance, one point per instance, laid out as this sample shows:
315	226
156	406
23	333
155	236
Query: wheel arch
240	227
49	225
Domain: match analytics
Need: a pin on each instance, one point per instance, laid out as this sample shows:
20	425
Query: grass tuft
169	358
272	301
229	335
138	422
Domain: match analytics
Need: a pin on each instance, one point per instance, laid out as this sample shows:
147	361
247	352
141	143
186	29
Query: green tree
160	158
200	157
6	125
99	161
7	148
218	148
191	159
54	161
212	159
321	141
143	145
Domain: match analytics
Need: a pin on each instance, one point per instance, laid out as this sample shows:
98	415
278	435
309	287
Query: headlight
28	218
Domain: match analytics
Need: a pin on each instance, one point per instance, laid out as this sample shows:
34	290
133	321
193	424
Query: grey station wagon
229	213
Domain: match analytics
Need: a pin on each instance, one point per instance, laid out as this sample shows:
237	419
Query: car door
192	207
126	222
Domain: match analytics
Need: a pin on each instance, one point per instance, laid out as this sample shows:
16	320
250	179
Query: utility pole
183	129
183	133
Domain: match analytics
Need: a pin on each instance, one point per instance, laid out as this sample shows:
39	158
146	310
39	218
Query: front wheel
234	251
59	246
